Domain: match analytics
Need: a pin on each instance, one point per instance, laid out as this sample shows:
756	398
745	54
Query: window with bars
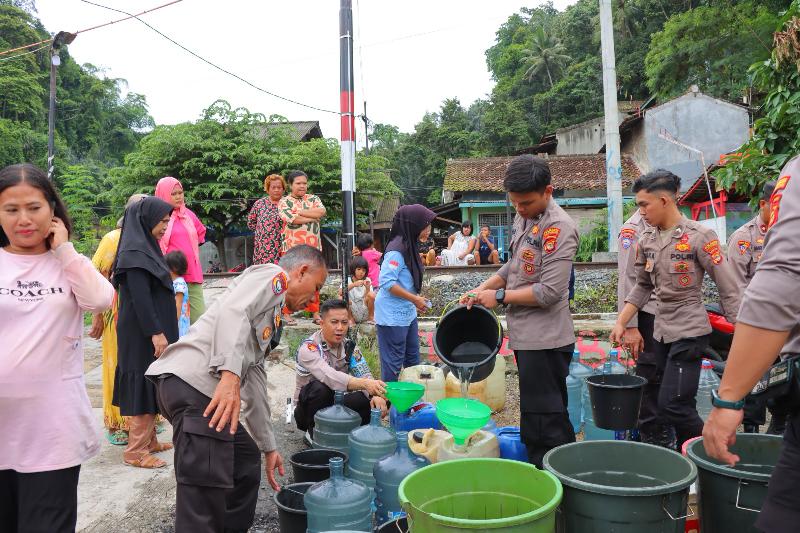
498	223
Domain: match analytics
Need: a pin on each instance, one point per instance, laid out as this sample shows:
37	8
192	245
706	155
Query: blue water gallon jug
338	503
578	373
511	445
368	444
590	431
422	415
389	473
332	425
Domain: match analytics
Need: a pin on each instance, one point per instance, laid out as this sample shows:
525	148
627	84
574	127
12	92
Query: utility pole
61	38
366	127
613	155
348	139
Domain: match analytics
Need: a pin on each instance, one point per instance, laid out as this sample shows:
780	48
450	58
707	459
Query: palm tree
546	54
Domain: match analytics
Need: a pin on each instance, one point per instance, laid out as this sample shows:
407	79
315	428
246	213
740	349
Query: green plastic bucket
482	495
731	497
621	487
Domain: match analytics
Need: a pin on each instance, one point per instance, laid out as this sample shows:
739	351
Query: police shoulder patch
550	240
712	249
775	199
311	347
279	283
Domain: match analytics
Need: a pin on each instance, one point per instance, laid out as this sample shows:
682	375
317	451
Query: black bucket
313	465
616	399
468	340
292	515
395	526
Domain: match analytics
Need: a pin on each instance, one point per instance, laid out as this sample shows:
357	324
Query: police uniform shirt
543	251
745	248
316	360
628	240
673	265
772	300
234	334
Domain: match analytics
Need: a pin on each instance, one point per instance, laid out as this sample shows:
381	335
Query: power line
48	40
46	45
229	73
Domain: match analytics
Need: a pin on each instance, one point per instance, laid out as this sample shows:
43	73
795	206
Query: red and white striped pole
348	139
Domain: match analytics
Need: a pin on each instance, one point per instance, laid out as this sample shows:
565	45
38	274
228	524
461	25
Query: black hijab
137	246
408	223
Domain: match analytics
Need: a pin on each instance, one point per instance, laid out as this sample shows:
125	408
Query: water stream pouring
403	395
462	417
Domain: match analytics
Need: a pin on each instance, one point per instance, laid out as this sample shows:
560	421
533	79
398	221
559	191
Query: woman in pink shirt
185	233
45	287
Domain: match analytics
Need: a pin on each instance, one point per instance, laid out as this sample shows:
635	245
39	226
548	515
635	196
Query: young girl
360	293
176	261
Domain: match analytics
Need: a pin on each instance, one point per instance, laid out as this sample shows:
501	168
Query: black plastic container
395	526
468	340
616	399
292	516
313	465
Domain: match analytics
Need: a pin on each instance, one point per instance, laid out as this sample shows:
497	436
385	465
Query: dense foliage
775	137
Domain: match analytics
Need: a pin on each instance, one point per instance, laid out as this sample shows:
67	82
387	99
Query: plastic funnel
403	395
462	416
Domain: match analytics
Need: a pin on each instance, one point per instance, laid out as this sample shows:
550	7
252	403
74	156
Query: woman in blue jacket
398	300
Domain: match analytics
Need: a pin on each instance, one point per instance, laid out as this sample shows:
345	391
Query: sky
408	56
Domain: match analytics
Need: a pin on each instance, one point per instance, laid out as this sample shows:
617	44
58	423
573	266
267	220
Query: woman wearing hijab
186	233
398	300
146	324
105	325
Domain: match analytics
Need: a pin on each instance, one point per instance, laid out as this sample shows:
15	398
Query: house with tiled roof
579	183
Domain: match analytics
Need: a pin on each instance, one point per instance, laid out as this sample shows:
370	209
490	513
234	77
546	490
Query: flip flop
118	437
148	461
289	321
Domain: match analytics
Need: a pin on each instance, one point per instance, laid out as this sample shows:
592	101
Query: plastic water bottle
590	431
368	444
389	473
358	365
575	385
338	503
616	365
332	425
708	382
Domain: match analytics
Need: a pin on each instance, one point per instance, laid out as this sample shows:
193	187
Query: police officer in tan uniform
639	331
745	248
770	315
673	255
534	285
212	387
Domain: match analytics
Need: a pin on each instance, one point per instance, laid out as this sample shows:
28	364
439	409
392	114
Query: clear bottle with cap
338	503
389	473
708	381
332	425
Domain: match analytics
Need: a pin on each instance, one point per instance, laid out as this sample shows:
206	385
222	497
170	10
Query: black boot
777	426
750	428
663	436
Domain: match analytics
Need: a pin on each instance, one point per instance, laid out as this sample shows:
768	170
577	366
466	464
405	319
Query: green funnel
403	395
462	417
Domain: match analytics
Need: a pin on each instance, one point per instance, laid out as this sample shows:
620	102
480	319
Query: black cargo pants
315	395
218	474
678	364
781	510
544	421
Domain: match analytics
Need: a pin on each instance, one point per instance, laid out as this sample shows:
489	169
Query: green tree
222	159
775	139
80	188
710	46
546	54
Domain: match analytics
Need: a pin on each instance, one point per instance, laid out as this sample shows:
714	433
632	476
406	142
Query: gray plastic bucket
621	486
731	497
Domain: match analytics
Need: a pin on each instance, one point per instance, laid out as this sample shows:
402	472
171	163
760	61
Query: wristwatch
500	296
716	401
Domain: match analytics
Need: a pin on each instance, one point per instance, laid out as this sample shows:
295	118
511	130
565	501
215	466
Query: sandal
289	321
161	447
148	461
118	437
160	428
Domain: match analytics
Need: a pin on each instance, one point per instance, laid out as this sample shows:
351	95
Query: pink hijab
164	190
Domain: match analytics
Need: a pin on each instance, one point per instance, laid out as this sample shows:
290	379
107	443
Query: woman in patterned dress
266	222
